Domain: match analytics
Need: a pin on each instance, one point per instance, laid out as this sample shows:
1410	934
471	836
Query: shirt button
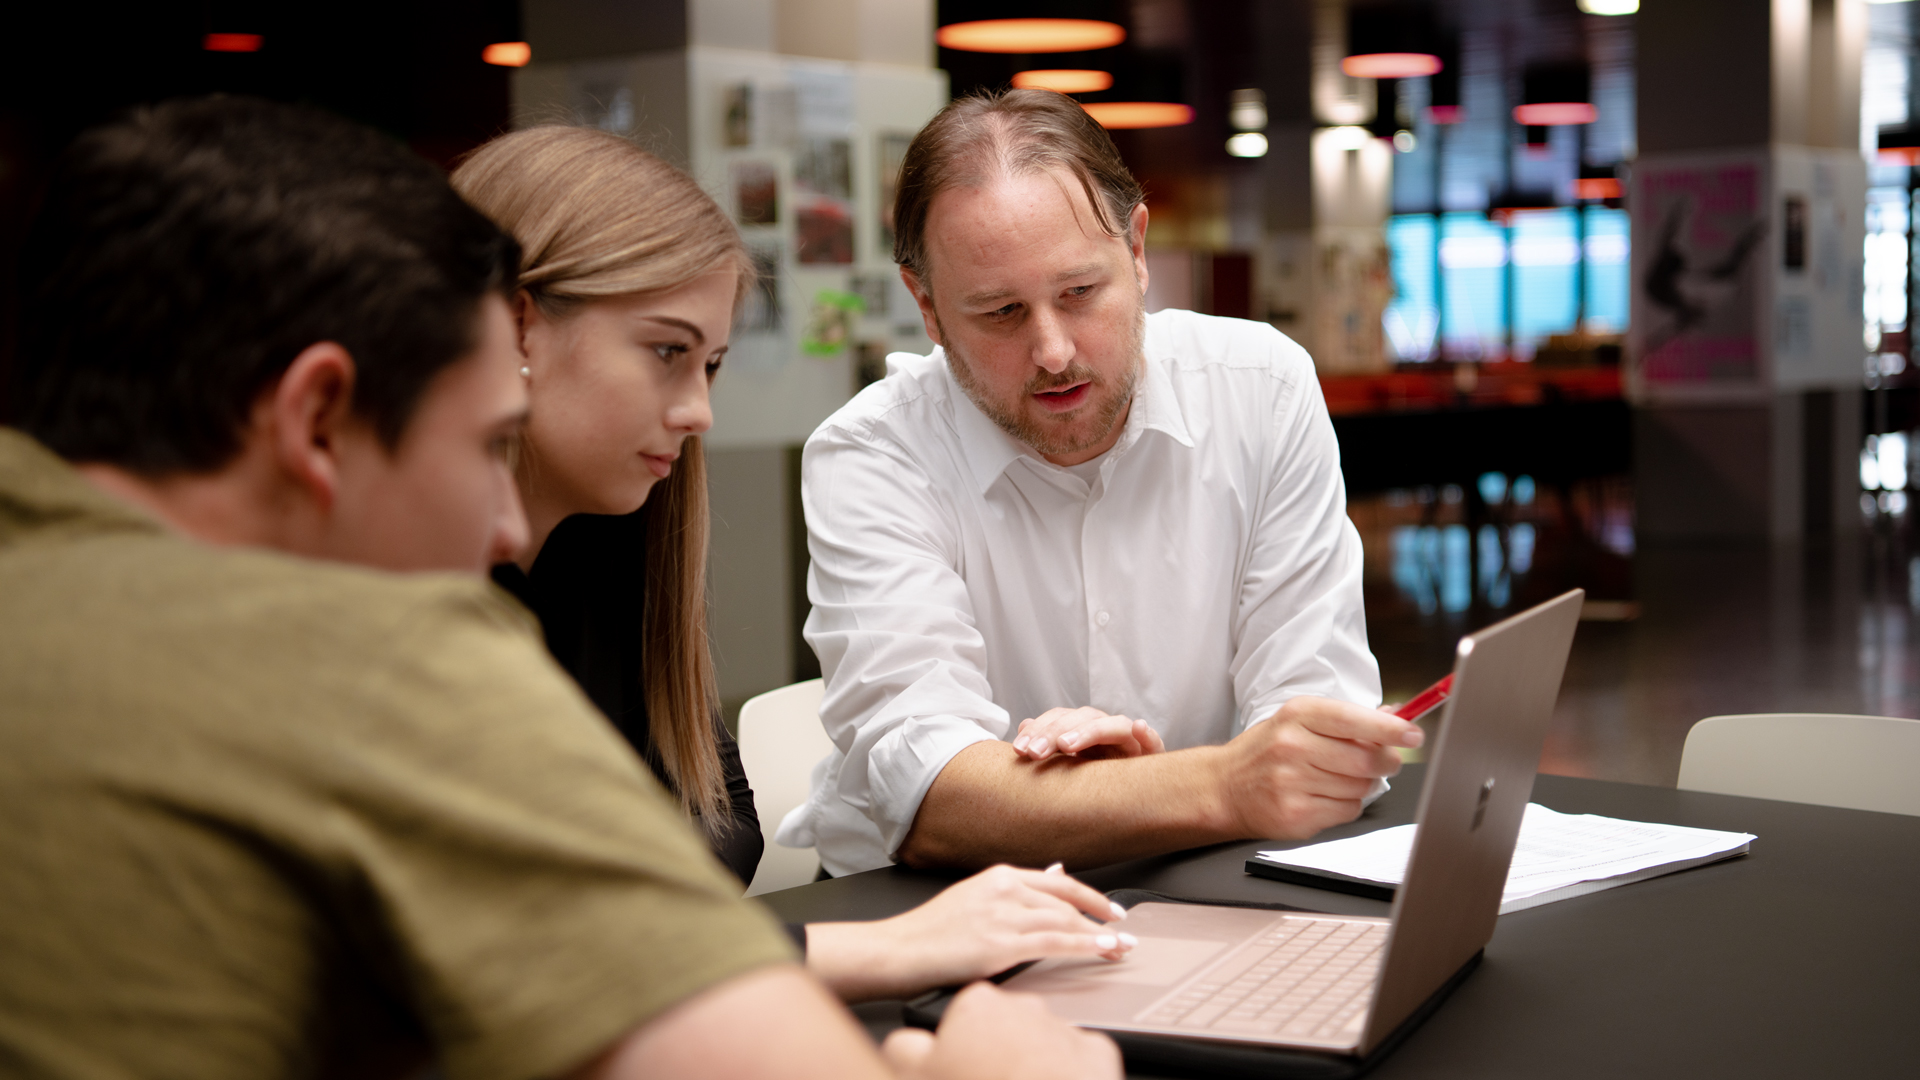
1102	618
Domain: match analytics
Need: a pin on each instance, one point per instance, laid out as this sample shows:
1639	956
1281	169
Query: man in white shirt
1119	532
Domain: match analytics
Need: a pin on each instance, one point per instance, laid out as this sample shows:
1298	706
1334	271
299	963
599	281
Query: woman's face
615	386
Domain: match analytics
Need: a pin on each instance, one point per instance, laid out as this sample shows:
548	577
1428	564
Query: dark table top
1801	959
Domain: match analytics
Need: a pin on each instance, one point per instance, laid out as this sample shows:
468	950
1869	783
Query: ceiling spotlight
232	42
1247	144
1391	65
1248	112
1404	141
1064	80
1628	7
1030	35
1349	137
507	53
1115	115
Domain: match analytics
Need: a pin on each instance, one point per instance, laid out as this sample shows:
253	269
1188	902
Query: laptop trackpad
1156	961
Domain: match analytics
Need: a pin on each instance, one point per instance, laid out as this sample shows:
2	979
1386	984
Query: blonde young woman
629	284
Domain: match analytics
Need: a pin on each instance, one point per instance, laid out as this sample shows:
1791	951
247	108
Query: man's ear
924	299
1137	243
307	410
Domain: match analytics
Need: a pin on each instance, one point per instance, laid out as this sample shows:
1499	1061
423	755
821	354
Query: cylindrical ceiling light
1031	35
1555	95
507	53
1393	42
1391	65
1118	115
1064	80
232	42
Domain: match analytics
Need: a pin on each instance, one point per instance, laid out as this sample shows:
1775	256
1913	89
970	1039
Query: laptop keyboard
1306	978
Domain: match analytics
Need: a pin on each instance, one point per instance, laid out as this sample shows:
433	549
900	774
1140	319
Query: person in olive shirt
269	814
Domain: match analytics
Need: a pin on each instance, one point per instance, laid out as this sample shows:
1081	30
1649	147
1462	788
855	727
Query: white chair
780	741
1856	762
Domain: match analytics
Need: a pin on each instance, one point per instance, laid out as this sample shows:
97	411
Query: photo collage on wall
796	174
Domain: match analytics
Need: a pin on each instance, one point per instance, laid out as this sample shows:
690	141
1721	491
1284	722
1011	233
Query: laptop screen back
1505	680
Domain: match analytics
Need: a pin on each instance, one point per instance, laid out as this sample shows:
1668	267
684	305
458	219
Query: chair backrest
780	740
1857	762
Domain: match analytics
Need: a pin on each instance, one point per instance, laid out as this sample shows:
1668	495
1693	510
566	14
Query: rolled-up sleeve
892	623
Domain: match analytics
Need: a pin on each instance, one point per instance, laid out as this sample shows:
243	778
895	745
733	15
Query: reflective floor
1671	635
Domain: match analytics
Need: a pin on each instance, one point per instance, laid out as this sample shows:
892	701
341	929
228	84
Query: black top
587	587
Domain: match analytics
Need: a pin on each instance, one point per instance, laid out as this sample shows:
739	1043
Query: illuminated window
1466	286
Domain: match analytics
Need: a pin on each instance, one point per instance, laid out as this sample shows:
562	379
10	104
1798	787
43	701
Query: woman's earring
526	373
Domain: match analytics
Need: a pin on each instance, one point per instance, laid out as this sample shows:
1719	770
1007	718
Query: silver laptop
1342	983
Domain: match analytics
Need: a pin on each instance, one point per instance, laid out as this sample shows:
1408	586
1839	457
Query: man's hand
1085	733
983	925
1309	765
990	1033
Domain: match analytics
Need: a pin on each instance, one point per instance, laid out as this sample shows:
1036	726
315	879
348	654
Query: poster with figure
823	201
1698	270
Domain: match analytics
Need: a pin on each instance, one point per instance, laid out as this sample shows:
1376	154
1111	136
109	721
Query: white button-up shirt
1195	576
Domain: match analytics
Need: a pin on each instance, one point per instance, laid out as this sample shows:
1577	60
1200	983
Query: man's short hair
1014	133
189	251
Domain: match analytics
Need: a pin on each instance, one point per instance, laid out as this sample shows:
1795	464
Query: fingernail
1118	911
1070	740
1040	745
1413	738
1020	744
1057	868
1107	941
1128	939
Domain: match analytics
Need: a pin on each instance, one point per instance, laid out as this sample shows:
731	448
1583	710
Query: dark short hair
186	253
1013	133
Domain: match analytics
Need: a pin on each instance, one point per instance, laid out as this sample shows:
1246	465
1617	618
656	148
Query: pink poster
1697	230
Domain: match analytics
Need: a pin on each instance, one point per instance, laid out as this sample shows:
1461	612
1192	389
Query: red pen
1426	700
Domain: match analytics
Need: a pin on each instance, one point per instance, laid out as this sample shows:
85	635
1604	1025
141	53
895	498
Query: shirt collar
40	491
989	450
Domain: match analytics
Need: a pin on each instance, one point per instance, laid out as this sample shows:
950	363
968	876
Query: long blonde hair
596	216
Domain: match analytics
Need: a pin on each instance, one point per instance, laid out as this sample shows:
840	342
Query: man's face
1039	310
444	498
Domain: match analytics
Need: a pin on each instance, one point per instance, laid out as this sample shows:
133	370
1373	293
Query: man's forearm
990	805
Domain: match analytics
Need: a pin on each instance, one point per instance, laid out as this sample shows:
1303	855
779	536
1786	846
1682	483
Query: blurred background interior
1599	295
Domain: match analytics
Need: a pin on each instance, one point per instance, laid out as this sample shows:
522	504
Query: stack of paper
1558	856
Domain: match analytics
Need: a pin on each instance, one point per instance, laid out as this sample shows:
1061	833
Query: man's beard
1049	438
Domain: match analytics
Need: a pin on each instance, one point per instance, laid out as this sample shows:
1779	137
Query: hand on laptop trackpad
1156	961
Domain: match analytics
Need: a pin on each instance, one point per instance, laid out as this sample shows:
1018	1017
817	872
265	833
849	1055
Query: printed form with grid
1305	977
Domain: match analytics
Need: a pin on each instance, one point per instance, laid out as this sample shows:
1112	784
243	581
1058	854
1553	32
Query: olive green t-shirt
265	817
